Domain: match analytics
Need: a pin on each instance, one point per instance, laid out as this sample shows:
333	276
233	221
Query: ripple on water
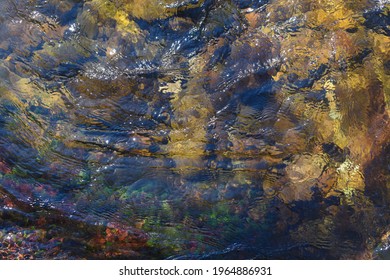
196	129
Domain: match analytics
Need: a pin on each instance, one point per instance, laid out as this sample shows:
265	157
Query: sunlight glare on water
194	129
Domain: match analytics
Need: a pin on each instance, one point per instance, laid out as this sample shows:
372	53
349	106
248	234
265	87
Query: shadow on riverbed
194	129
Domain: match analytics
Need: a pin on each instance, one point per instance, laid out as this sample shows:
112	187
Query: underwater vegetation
184	129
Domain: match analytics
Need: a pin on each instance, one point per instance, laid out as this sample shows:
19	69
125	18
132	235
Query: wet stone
194	129
155	187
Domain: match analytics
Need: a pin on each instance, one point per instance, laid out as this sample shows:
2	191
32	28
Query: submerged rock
179	128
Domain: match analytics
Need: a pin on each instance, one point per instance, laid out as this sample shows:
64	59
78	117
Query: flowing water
187	129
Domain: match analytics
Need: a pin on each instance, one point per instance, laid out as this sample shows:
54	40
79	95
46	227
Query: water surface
194	129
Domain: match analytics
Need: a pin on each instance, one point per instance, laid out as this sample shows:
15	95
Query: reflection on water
194	129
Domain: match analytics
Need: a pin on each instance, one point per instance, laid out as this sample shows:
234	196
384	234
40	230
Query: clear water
194	129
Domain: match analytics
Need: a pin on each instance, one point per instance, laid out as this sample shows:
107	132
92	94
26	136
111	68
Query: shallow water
194	129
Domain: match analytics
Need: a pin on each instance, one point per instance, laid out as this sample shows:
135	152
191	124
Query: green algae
212	163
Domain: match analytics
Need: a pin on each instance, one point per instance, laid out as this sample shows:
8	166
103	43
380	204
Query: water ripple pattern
207	129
